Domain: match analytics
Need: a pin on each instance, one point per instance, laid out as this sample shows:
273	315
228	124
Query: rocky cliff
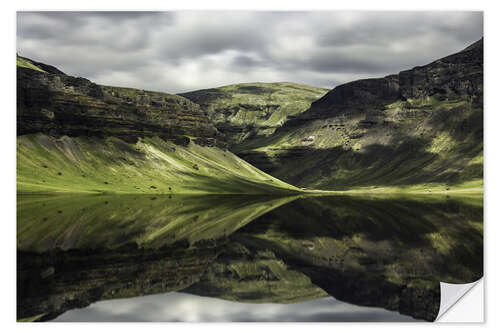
421	126
78	136
58	104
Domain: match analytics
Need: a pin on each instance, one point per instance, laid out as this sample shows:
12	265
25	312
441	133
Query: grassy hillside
22	62
431	143
78	136
152	165
421	128
249	110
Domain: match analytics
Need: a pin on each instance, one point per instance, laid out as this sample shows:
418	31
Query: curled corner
451	294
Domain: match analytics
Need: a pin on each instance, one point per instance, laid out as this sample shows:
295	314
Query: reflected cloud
180	307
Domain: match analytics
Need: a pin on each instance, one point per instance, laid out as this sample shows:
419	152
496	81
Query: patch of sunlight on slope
479	159
20	62
443	141
156	155
48	164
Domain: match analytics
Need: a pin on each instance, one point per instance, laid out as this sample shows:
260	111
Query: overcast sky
188	50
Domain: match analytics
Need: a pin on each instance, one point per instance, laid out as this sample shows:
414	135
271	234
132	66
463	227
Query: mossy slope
152	165
246	111
423	126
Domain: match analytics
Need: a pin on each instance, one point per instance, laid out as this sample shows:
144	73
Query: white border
468	308
8	171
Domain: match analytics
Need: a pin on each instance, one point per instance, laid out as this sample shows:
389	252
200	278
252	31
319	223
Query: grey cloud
187	50
384	28
246	61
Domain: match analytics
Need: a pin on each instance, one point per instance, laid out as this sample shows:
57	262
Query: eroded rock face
355	97
423	125
459	74
58	104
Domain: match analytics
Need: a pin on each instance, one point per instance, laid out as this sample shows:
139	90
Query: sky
175	307
181	51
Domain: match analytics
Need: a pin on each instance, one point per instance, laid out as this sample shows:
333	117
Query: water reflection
387	253
176	307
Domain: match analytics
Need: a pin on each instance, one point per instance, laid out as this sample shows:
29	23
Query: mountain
421	127
77	136
245	112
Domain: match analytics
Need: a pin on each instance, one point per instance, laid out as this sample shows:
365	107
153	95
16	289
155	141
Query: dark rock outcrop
355	97
459	74
423	125
58	104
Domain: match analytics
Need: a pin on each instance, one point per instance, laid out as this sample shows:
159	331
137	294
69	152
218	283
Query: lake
243	258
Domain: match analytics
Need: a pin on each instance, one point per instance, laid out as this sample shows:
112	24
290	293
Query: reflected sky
180	307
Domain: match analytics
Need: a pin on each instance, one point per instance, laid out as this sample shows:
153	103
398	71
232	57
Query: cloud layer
189	50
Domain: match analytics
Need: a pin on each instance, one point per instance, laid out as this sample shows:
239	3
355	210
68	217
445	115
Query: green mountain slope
423	127
152	165
38	66
21	62
244	112
75	135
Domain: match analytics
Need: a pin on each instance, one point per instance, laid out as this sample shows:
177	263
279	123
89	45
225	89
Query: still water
177	307
243	258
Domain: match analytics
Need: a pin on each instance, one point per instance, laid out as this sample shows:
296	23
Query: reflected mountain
379	252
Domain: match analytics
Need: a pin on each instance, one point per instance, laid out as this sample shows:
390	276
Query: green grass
20	62
417	145
151	166
256	109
